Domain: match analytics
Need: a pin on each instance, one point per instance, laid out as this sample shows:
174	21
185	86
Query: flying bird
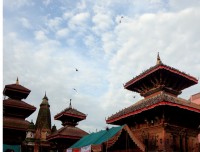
76	69
75	90
121	19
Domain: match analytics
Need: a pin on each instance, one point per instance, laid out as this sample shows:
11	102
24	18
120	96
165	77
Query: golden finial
158	59
17	81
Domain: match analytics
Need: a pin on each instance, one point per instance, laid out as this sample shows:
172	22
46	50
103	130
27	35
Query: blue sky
44	41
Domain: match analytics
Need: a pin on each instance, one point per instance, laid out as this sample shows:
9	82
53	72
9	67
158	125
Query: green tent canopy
97	138
108	137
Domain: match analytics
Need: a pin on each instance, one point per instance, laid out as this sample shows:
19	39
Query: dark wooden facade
162	121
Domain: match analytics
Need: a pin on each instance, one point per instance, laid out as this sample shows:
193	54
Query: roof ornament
158	60
70	104
45	96
17	81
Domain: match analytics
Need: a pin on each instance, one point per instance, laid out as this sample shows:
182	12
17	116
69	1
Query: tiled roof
70	112
18	104
160	66
17	87
149	103
15	123
68	132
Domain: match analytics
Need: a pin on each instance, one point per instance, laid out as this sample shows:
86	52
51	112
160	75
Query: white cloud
67	15
54	24
180	5
62	33
10	4
25	23
81	5
46	2
79	20
40	36
102	22
109	45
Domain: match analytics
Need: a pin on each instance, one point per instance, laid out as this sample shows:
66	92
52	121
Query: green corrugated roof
97	138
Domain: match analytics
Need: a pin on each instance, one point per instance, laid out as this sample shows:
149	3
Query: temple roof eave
70	112
16	124
16	87
147	104
151	70
18	104
70	132
67	137
65	114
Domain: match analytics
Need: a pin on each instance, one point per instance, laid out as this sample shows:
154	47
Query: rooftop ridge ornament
17	81
158	60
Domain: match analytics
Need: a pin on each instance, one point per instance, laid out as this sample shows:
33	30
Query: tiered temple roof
70	116
160	77
16	91
160	86
14	109
69	133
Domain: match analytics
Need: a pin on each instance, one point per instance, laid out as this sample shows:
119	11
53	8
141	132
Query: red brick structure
162	120
195	98
15	111
69	133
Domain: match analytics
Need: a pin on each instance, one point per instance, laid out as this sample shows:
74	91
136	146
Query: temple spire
45	96
17	81
158	59
70	104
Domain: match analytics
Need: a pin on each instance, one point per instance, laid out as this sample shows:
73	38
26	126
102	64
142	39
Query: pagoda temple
15	111
162	120
69	133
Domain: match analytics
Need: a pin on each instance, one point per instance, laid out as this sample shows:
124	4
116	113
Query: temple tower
43	126
162	120
69	133
15	111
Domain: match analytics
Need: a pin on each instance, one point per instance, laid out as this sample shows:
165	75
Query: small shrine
162	120
69	133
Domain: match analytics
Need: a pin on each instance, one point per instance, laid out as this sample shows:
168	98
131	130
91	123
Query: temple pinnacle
70	104
17	81
158	59
45	96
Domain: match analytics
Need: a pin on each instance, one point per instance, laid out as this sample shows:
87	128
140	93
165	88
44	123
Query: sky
108	41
